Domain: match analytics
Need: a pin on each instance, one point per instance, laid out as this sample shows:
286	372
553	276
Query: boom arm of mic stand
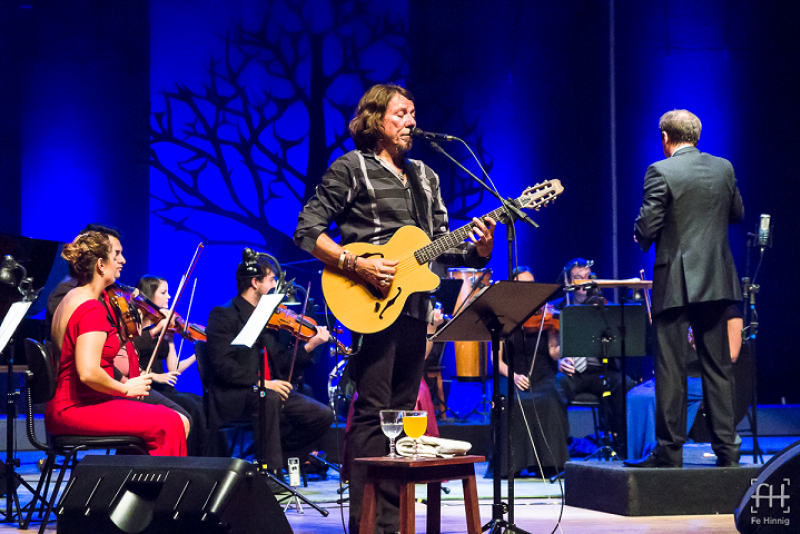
508	204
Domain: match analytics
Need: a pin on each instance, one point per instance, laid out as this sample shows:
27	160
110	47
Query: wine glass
392	425
414	424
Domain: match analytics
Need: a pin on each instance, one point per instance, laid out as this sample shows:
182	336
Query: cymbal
632	283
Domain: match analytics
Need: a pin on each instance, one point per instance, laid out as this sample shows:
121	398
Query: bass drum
471	356
341	388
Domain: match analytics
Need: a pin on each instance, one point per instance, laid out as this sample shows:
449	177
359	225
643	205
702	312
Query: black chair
40	386
592	401
235	429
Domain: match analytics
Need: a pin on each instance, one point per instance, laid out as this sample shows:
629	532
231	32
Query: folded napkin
431	447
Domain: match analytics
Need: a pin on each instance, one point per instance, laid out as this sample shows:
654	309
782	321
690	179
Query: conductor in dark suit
294	421
690	198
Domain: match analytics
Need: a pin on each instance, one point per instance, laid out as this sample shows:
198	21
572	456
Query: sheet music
255	325
12	320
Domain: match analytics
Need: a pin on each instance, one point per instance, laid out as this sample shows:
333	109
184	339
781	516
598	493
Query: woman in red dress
88	400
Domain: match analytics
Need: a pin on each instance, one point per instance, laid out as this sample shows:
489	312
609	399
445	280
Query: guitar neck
435	249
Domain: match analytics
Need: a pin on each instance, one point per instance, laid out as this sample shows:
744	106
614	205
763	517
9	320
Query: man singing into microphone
370	193
690	198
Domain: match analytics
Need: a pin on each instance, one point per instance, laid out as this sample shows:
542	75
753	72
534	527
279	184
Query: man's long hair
366	127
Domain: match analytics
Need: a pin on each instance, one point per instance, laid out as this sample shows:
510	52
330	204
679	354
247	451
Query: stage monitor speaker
155	495
770	504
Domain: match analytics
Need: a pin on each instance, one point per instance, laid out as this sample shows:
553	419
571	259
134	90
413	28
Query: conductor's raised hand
483	235
139	386
281	387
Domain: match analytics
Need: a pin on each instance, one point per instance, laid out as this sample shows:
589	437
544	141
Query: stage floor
538	508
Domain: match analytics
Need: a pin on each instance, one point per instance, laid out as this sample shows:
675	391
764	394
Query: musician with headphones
585	374
295	421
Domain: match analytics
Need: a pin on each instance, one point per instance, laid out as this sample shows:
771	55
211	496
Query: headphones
250	261
577	262
252	269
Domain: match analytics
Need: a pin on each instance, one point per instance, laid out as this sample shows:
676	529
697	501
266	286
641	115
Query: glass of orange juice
414	425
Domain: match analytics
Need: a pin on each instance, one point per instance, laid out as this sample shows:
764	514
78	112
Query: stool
406	473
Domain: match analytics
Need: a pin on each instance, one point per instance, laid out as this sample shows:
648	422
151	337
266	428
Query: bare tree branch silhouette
237	150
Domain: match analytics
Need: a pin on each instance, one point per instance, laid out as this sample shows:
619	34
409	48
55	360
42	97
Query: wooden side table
406	473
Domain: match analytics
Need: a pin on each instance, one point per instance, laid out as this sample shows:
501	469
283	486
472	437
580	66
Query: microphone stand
749	291
498	524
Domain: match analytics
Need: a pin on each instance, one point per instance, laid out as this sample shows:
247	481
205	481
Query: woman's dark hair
366	127
82	254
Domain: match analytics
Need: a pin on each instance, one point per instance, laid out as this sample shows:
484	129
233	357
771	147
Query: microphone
431	136
763	231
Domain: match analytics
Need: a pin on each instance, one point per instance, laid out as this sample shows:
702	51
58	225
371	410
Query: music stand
10	477
605	331
495	314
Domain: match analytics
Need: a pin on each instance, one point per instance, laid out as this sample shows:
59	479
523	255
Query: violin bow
297	341
175	303
536	348
188	311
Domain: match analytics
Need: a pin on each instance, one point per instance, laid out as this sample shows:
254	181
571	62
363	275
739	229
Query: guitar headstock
541	194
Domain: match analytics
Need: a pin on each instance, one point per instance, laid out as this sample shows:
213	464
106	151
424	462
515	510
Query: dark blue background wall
568	90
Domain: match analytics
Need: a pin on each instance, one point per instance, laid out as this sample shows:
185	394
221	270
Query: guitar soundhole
391	302
377	307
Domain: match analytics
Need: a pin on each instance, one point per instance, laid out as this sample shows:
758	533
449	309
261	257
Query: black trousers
387	372
713	350
592	380
292	425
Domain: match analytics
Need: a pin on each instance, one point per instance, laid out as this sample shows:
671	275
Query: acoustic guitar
366	308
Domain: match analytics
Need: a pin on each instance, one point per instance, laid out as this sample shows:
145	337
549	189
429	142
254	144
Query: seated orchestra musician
88	400
166	368
581	375
295	421
540	428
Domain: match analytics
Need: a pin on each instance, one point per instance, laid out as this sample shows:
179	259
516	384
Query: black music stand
495	314
9	477
605	331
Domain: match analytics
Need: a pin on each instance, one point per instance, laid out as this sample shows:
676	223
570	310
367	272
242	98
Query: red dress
77	409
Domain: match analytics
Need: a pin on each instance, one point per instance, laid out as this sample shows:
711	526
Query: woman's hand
139	386
566	366
170	378
521	381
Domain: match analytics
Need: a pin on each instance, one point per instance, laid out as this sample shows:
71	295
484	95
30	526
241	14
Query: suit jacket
689	201
233	370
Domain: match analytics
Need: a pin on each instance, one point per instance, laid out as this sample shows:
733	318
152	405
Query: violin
551	320
127	320
140	305
189	332
301	327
